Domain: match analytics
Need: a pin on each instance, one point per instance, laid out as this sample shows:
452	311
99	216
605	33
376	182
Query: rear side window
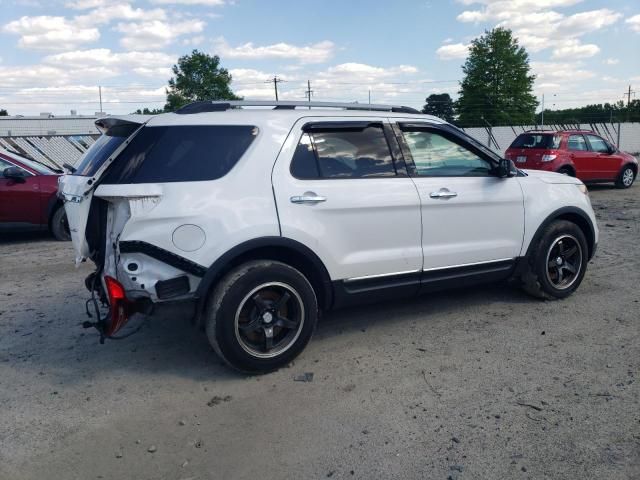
537	140
343	153
181	153
577	142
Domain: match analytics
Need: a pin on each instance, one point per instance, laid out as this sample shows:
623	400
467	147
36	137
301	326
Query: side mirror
14	173
506	168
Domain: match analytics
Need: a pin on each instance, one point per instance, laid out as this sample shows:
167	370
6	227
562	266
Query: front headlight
583	188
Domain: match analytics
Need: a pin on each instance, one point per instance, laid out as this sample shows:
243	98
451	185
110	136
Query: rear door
342	190
583	159
469	216
606	163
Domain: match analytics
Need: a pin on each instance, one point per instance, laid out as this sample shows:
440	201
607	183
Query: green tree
3	113
497	87
146	111
440	105
198	77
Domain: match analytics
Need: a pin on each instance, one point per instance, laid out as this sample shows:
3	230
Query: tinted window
436	156
181	154
343	153
577	142
102	149
4	164
598	144
537	140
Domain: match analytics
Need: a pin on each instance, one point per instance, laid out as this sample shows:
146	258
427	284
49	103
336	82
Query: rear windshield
102	149
537	140
181	153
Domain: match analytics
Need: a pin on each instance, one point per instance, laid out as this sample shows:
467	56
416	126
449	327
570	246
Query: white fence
625	135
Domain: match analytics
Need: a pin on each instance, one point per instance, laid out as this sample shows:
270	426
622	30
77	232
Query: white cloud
50	33
211	3
107	13
536	25
155	34
84	4
573	49
315	53
611	61
560	71
634	23
452	51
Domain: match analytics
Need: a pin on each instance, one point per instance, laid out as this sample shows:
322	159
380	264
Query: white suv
256	219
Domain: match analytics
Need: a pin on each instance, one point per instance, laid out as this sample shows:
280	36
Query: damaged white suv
257	219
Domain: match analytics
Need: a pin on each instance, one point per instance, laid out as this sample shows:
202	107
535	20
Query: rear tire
260	316
557	262
625	177
60	226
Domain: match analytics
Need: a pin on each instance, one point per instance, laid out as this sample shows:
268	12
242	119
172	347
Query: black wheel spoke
571	252
285	323
552	264
570	267
259	302
251	326
268	338
282	301
560	275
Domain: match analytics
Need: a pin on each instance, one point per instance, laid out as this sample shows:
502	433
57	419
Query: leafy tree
3	113
146	111
597	113
198	77
440	105
497	87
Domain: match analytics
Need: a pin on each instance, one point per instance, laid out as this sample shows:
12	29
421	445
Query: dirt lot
485	383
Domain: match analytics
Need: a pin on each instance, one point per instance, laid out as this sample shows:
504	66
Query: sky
54	54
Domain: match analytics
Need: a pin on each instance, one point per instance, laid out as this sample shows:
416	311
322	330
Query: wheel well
583	224
310	268
52	210
568	167
633	166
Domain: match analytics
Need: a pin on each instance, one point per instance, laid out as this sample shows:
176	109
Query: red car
28	197
579	153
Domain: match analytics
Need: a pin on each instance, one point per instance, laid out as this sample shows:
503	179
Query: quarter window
181	154
577	142
436	156
598	144
343	153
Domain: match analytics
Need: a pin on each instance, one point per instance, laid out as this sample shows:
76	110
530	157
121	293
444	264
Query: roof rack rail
221	106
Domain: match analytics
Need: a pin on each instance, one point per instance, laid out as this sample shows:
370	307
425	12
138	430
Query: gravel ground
483	383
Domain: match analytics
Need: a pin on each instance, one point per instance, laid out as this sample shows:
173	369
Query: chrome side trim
380	275
467	264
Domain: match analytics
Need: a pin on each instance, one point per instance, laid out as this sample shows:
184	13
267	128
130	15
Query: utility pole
309	92
100	94
275	81
369	96
628	95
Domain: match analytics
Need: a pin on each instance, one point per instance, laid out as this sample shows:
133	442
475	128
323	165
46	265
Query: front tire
261	315
626	177
557	262
60	226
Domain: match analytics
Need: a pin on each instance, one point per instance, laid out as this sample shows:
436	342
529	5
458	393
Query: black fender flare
565	212
219	267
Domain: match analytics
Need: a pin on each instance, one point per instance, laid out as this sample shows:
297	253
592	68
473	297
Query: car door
19	198
583	159
341	191
606	163
470	216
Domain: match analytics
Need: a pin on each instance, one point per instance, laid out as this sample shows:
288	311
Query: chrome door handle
443	193
309	198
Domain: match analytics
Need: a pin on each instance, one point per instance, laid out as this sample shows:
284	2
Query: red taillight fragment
119	306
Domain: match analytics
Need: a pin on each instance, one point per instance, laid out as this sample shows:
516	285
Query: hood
553	177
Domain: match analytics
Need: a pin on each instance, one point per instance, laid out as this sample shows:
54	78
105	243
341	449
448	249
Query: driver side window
436	156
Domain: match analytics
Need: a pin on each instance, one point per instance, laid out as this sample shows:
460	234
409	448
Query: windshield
37	166
537	140
102	149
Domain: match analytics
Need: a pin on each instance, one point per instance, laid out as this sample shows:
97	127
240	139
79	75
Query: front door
469	216
19	199
606	164
341	191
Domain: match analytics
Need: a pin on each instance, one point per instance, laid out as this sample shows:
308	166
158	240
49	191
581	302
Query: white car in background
256	219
